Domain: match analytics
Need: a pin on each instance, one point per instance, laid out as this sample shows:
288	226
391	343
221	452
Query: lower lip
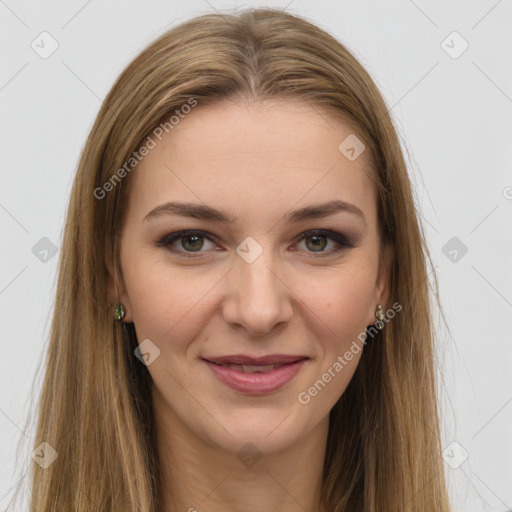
256	383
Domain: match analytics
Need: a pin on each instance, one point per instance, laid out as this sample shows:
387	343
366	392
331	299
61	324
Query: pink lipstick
255	375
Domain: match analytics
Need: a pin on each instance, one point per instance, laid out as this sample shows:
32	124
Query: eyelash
338	238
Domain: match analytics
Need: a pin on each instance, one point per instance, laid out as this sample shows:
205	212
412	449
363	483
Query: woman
242	318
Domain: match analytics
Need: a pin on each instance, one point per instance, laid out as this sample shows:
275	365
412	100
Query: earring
380	317
119	313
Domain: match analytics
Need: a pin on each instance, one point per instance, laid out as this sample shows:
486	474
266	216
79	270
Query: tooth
249	368
253	369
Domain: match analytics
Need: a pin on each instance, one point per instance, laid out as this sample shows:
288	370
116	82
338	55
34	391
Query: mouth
256	375
248	368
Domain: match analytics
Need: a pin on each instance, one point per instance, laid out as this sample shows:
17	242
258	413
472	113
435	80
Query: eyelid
170	238
342	241
330	234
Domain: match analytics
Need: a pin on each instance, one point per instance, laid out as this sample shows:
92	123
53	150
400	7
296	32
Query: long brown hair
383	448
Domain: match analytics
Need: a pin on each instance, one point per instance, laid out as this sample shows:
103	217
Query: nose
258	298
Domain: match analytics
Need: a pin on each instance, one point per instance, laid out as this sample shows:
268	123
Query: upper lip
255	361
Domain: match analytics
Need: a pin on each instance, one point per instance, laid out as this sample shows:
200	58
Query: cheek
342	298
349	306
167	303
341	302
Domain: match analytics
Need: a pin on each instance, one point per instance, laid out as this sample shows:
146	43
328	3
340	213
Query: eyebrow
207	213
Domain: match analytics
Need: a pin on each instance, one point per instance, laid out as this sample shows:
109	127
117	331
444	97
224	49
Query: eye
191	242
194	241
317	240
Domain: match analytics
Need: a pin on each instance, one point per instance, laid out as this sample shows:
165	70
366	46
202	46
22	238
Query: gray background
452	108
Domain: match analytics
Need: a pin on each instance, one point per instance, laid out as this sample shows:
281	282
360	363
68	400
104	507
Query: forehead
260	159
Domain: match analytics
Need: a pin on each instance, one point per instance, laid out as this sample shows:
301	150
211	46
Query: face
267	262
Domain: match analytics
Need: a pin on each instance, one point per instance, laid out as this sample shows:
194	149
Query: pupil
317	240
195	239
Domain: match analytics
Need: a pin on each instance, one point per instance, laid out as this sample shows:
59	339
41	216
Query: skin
255	161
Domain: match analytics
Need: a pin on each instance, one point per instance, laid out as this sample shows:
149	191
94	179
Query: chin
258	430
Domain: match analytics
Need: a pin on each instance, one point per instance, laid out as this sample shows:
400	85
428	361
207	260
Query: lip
256	361
257	383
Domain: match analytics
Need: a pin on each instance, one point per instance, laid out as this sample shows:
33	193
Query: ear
382	285
117	293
